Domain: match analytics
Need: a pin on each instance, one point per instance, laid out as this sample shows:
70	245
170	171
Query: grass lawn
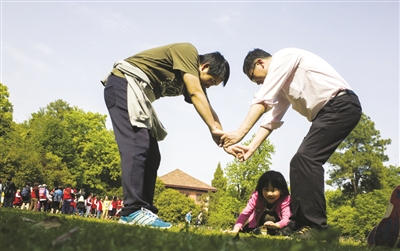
25	230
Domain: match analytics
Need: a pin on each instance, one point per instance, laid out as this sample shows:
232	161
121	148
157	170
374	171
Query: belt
342	92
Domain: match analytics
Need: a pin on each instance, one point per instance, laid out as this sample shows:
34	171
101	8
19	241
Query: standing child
106	205
119	207
88	205
268	206
57	197
93	211
199	219
9	190
34	197
43	196
26	196
114	207
17	202
99	207
1	193
188	217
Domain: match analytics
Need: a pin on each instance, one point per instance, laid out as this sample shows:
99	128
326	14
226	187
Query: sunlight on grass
43	231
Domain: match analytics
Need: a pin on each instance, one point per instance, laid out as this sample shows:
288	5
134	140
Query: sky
54	50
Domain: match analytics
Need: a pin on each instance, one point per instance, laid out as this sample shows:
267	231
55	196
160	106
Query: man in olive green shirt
170	70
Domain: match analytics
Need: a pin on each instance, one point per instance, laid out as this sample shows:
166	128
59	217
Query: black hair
277	181
251	57
218	65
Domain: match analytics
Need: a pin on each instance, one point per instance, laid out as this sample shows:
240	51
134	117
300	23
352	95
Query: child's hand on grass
271	224
233	231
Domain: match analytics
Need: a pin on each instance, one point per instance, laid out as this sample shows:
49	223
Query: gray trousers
139	151
331	126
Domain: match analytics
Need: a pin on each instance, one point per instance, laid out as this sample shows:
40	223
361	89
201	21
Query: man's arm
247	151
216	139
254	114
201	104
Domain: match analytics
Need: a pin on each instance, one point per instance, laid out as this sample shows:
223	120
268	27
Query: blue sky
61	49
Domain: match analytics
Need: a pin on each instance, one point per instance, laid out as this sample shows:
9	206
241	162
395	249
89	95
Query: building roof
179	179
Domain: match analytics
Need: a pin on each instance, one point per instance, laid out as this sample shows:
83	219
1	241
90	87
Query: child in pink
268	206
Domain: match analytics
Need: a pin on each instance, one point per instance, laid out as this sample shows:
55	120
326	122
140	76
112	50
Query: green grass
25	230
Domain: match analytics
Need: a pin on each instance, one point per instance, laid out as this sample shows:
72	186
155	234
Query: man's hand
243	152
216	135
234	151
231	138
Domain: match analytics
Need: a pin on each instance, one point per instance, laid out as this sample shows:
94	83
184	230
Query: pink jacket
255	208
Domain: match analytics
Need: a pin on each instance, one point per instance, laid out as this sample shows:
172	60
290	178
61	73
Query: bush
173	206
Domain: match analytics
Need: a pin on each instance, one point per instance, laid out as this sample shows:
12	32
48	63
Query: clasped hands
227	141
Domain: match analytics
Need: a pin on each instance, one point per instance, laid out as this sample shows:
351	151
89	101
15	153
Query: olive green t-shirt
164	66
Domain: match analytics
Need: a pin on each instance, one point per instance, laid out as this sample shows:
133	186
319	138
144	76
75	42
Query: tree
392	177
19	158
358	220
159	188
219	181
225	212
243	176
357	165
62	145
173	206
6	111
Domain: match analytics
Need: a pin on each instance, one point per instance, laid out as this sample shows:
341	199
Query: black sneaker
328	234
306	233
256	231
285	231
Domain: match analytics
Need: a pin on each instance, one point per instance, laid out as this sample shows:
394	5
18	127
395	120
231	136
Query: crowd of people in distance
59	200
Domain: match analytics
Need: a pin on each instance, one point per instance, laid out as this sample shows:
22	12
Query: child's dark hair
277	180
218	65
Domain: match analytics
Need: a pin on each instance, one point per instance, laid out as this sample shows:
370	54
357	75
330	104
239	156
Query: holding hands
216	135
240	152
231	138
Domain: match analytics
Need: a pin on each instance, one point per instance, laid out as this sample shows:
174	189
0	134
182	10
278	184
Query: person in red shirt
34	197
72	205
99	207
88	205
17	202
114	207
67	197
94	206
120	205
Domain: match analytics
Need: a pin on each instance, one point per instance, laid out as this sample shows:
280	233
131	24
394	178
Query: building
186	184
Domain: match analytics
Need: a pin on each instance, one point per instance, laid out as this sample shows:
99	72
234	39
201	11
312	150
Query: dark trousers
8	202
66	206
139	152
330	127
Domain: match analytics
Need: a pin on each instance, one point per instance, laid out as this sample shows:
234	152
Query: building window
198	197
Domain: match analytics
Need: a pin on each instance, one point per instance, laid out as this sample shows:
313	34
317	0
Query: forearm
254	114
202	107
261	135
216	118
199	101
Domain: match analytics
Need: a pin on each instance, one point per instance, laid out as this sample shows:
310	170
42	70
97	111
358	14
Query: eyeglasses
252	73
